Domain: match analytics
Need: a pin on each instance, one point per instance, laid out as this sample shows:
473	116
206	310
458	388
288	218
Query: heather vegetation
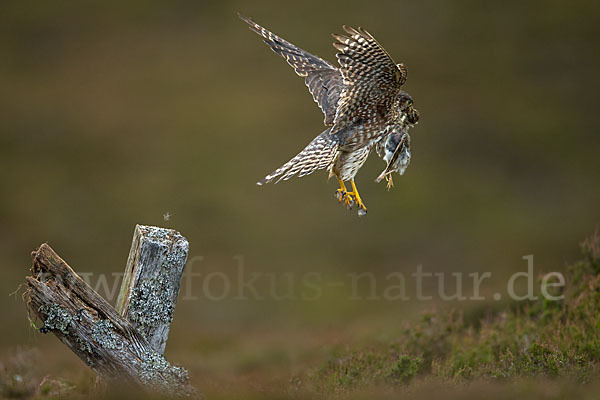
540	339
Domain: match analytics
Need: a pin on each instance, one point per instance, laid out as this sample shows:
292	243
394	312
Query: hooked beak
413	115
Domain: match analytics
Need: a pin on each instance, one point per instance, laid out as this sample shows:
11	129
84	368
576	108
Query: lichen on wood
150	304
85	322
152	280
57	318
103	333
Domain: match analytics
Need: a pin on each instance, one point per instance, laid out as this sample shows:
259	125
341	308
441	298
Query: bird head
406	108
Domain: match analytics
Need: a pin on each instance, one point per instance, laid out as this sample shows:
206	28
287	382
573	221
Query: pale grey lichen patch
177	255
103	333
160	235
156	371
84	346
151	303
57	318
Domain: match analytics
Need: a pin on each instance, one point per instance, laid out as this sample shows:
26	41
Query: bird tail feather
319	154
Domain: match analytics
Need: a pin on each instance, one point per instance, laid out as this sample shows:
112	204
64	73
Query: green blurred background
115	113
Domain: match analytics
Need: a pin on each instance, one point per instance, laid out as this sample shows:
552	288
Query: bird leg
390	181
342	194
388	177
351	198
362	209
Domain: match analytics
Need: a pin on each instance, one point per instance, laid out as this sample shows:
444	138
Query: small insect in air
364	108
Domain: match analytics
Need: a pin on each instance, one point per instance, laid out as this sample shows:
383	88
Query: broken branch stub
151	282
94	330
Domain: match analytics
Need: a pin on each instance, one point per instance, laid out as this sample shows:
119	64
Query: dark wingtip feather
365	33
340	38
339	46
266	179
350	30
244	18
253	25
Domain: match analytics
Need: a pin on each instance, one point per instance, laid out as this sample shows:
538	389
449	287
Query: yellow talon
341	192
362	209
350	198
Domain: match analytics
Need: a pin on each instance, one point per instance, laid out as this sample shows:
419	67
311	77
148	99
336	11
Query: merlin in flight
364	108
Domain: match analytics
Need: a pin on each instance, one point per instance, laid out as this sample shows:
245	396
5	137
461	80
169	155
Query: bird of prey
363	104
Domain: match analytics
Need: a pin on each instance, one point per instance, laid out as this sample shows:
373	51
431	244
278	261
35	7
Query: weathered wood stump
127	345
151	282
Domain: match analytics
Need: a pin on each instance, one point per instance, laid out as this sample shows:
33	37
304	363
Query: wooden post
151	282
100	336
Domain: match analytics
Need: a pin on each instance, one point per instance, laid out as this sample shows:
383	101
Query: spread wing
324	80
371	80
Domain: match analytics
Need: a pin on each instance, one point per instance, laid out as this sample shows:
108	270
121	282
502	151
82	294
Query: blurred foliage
546	339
